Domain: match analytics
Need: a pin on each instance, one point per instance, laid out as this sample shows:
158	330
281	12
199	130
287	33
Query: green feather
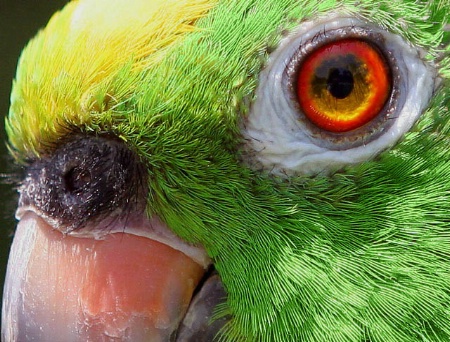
361	255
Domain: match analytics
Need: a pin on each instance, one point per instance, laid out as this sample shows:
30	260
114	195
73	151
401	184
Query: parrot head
239	170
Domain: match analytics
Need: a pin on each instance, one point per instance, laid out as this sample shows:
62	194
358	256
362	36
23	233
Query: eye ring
278	138
379	122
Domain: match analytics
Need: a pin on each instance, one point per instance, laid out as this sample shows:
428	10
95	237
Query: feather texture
361	255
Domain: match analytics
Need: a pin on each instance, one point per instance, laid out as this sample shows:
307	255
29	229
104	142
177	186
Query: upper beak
122	287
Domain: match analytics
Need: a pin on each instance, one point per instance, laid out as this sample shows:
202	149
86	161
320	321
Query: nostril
85	178
77	179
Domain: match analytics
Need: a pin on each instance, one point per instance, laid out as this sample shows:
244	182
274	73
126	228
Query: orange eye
343	85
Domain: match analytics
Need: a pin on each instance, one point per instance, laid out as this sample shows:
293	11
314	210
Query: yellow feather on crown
69	70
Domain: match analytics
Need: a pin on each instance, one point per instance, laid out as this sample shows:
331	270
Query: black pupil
340	82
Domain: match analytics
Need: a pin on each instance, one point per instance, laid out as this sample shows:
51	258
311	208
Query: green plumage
360	255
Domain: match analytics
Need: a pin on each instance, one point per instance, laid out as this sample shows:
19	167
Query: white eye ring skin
278	137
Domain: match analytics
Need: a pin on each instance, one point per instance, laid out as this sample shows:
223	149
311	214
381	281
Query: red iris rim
343	85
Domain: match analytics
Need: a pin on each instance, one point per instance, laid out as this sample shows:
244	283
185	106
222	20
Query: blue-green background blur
19	21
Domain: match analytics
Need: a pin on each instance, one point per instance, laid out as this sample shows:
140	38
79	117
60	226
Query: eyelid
278	142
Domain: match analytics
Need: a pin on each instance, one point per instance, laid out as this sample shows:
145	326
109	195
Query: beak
88	264
117	287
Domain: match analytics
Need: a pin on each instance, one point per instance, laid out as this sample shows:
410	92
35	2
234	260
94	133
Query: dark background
19	21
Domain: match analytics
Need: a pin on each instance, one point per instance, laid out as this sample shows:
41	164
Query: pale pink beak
118	287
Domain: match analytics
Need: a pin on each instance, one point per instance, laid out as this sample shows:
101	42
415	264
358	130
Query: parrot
232	170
